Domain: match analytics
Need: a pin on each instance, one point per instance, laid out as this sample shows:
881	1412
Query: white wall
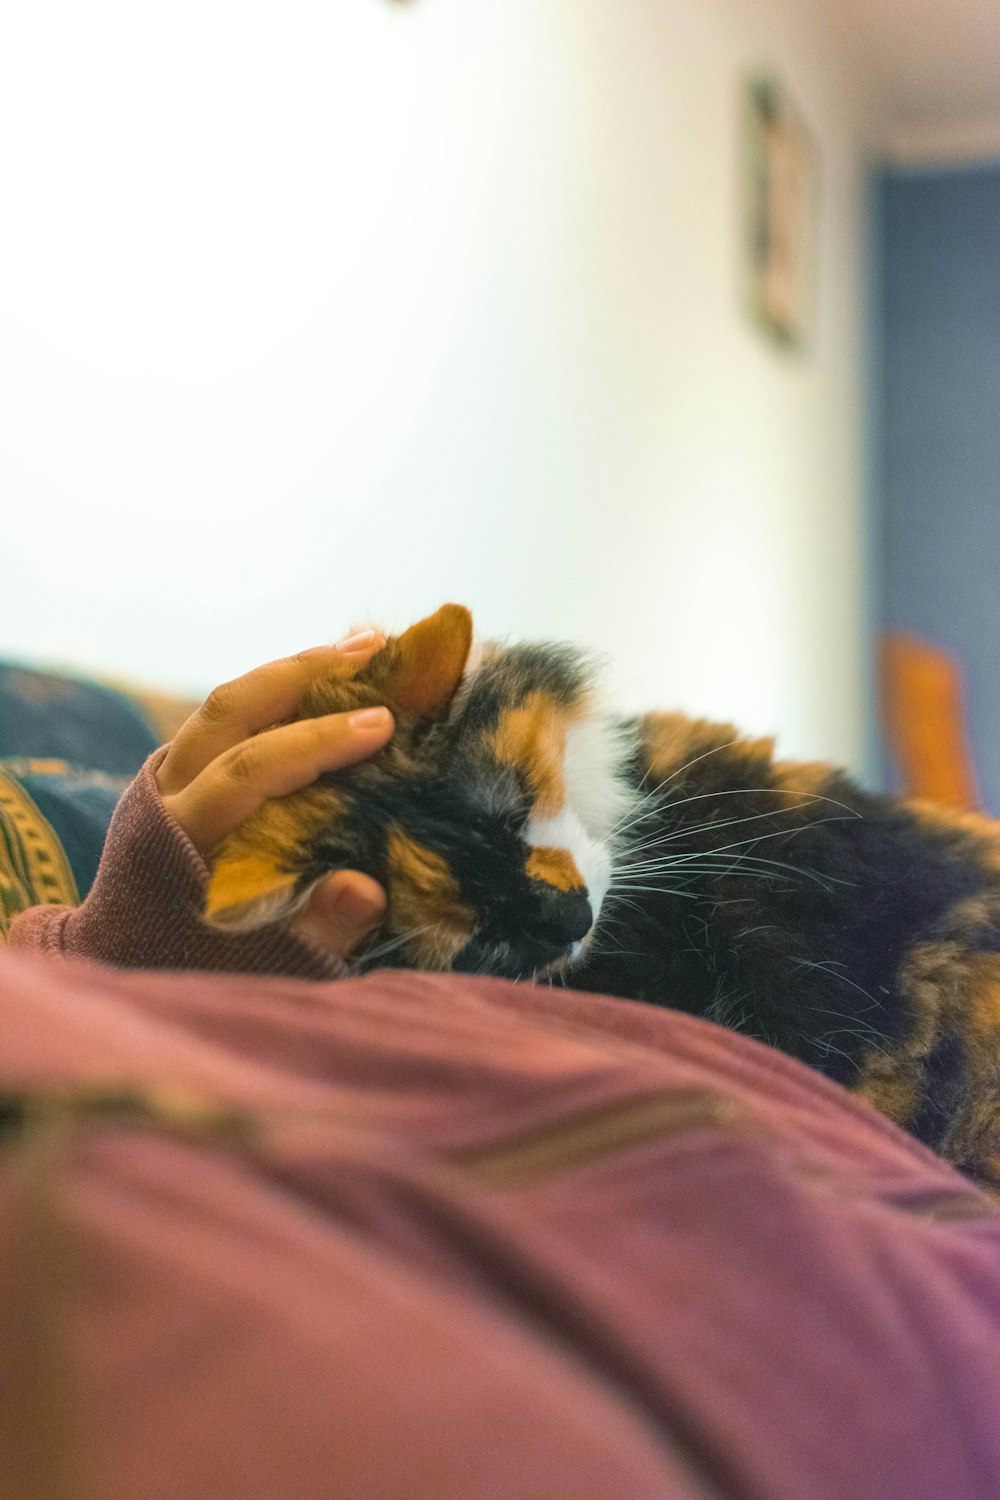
318	311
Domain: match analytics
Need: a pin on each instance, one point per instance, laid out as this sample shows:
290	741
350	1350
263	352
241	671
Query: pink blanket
419	1238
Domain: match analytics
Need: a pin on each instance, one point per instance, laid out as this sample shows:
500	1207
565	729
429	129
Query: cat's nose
562	920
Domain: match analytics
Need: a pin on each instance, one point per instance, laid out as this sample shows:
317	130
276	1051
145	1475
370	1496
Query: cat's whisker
715	750
741	739
723	1008
807	870
636	814
661	867
662	890
602	949
675	859
780	833
382	950
671	805
862	1032
826	1046
633	813
829	967
616	901
691	830
672	861
763	791
714	871
869	1039
737	864
688	835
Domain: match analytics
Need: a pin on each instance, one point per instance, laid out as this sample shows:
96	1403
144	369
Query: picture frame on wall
780	213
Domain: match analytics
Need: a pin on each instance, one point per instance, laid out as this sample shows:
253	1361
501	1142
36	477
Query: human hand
244	745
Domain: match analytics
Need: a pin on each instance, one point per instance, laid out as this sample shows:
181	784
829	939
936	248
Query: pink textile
143	911
436	1238
475	1239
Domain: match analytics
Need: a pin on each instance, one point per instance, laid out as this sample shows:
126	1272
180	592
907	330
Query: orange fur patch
239	884
983	1021
428	661
673	741
556	867
254	868
931	982
984	831
973	1138
294	820
808	779
423	894
808	776
533	739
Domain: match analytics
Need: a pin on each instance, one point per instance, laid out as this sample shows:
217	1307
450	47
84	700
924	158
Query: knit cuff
144	908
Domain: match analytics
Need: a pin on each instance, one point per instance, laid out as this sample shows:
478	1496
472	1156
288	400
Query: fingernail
356	642
370	718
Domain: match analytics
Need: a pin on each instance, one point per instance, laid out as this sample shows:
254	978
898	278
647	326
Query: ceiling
935	65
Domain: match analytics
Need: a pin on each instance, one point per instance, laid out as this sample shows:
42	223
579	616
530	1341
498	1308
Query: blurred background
317	314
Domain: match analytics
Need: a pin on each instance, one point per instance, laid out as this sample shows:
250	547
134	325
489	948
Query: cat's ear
247	891
420	670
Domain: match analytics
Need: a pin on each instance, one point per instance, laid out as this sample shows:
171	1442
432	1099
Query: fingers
273	764
240	709
342	911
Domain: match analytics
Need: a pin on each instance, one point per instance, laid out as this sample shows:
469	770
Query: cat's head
488	818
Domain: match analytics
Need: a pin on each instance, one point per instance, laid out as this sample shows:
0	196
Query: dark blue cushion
44	714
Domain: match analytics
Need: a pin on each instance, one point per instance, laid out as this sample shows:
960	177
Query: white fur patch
595	788
598	800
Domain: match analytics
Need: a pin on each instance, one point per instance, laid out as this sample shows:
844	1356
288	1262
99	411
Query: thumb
341	911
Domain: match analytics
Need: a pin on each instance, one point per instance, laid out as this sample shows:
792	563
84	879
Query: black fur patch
804	953
561	672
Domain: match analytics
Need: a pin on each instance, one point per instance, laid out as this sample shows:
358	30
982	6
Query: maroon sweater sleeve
144	909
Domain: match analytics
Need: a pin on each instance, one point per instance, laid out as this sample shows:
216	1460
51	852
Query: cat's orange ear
421	669
247	891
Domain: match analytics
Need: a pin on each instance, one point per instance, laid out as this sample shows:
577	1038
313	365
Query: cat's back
783	898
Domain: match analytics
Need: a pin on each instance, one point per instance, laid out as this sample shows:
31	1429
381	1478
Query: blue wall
940	409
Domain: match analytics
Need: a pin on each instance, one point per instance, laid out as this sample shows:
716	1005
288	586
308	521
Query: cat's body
856	932
518	831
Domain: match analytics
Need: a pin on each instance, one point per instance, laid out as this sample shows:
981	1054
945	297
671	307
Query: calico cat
520	831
